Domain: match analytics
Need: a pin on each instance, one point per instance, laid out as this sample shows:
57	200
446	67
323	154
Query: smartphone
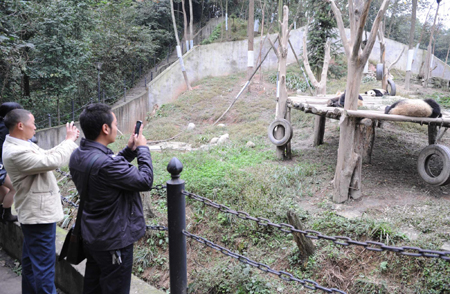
138	127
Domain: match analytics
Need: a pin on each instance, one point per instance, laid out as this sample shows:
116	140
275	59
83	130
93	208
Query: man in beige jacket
37	199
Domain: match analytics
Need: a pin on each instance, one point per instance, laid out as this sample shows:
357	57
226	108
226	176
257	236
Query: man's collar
18	141
86	143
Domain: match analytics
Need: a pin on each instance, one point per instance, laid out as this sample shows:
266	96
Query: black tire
424	168
391	85
287	132
379	71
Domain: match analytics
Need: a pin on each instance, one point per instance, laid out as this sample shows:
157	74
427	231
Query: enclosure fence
176	197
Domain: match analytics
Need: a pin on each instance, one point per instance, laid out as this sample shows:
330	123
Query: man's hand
72	132
137	140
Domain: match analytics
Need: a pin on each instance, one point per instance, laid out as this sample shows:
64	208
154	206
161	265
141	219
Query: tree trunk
281	53
411	44
347	179
250	24
191	25
305	245
186	35
427	72
179	53
319	129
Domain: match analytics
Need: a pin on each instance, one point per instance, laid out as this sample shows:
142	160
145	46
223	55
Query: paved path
10	282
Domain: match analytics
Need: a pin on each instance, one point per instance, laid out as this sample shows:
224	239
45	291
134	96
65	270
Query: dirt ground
391	181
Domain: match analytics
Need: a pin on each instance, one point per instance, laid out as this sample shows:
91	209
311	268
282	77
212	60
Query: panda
415	107
377	92
340	101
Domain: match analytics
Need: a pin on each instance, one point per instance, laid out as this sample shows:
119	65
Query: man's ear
105	129
20	125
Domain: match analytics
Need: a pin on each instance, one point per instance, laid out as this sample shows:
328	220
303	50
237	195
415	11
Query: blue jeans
38	259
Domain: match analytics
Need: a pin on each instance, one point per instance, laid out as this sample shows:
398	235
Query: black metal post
151	76
103	98
167	56
49	120
176	212
182	48
140	69
145	81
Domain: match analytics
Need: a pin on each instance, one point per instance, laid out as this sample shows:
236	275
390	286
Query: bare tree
427	73
347	179
185	25
321	87
179	53
191	25
251	20
411	44
281	52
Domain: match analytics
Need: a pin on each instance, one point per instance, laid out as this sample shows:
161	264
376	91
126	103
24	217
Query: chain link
261	266
64	199
339	240
158	187
63	173
157	228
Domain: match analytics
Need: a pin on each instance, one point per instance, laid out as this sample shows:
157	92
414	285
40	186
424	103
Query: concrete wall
221	59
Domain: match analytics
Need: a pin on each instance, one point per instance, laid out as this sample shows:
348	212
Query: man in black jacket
112	217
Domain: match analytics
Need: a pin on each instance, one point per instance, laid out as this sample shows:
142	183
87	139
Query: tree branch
398	58
275	50
360	29
309	72
326	63
373	35
340	24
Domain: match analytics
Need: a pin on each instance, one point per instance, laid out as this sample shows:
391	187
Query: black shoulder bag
72	248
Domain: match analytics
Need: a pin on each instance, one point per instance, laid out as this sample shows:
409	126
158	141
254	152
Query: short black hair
92	119
15	116
7	107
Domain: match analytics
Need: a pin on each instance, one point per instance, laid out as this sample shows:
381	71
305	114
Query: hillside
397	207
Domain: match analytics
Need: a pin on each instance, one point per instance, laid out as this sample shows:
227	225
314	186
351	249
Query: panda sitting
415	107
377	92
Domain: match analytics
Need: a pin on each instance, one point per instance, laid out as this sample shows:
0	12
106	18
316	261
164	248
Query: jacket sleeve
128	154
30	162
120	174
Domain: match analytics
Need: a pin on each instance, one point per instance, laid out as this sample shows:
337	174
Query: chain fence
261	266
339	240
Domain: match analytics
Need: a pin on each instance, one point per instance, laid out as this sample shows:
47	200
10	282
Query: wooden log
305	245
432	133
319	130
366	138
392	117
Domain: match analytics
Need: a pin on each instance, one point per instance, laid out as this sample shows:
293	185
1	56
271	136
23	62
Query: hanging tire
379	71
286	125
434	173
391	86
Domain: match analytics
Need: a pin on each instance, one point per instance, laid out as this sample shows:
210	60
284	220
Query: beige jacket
37	199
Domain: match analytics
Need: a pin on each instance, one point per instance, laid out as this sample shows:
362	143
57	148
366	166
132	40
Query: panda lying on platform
340	101
415	107
377	92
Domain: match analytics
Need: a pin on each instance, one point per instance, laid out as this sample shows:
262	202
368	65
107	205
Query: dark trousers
38	259
103	277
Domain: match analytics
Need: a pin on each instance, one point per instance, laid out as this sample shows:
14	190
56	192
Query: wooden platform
370	115
373	108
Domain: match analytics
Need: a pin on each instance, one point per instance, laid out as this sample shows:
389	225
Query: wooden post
347	179
432	133
281	53
305	245
366	139
319	129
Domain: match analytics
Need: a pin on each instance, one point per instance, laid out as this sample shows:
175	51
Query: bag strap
83	195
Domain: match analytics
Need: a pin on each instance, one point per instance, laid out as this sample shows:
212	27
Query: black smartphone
138	127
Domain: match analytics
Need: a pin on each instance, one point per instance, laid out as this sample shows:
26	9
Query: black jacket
113	217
